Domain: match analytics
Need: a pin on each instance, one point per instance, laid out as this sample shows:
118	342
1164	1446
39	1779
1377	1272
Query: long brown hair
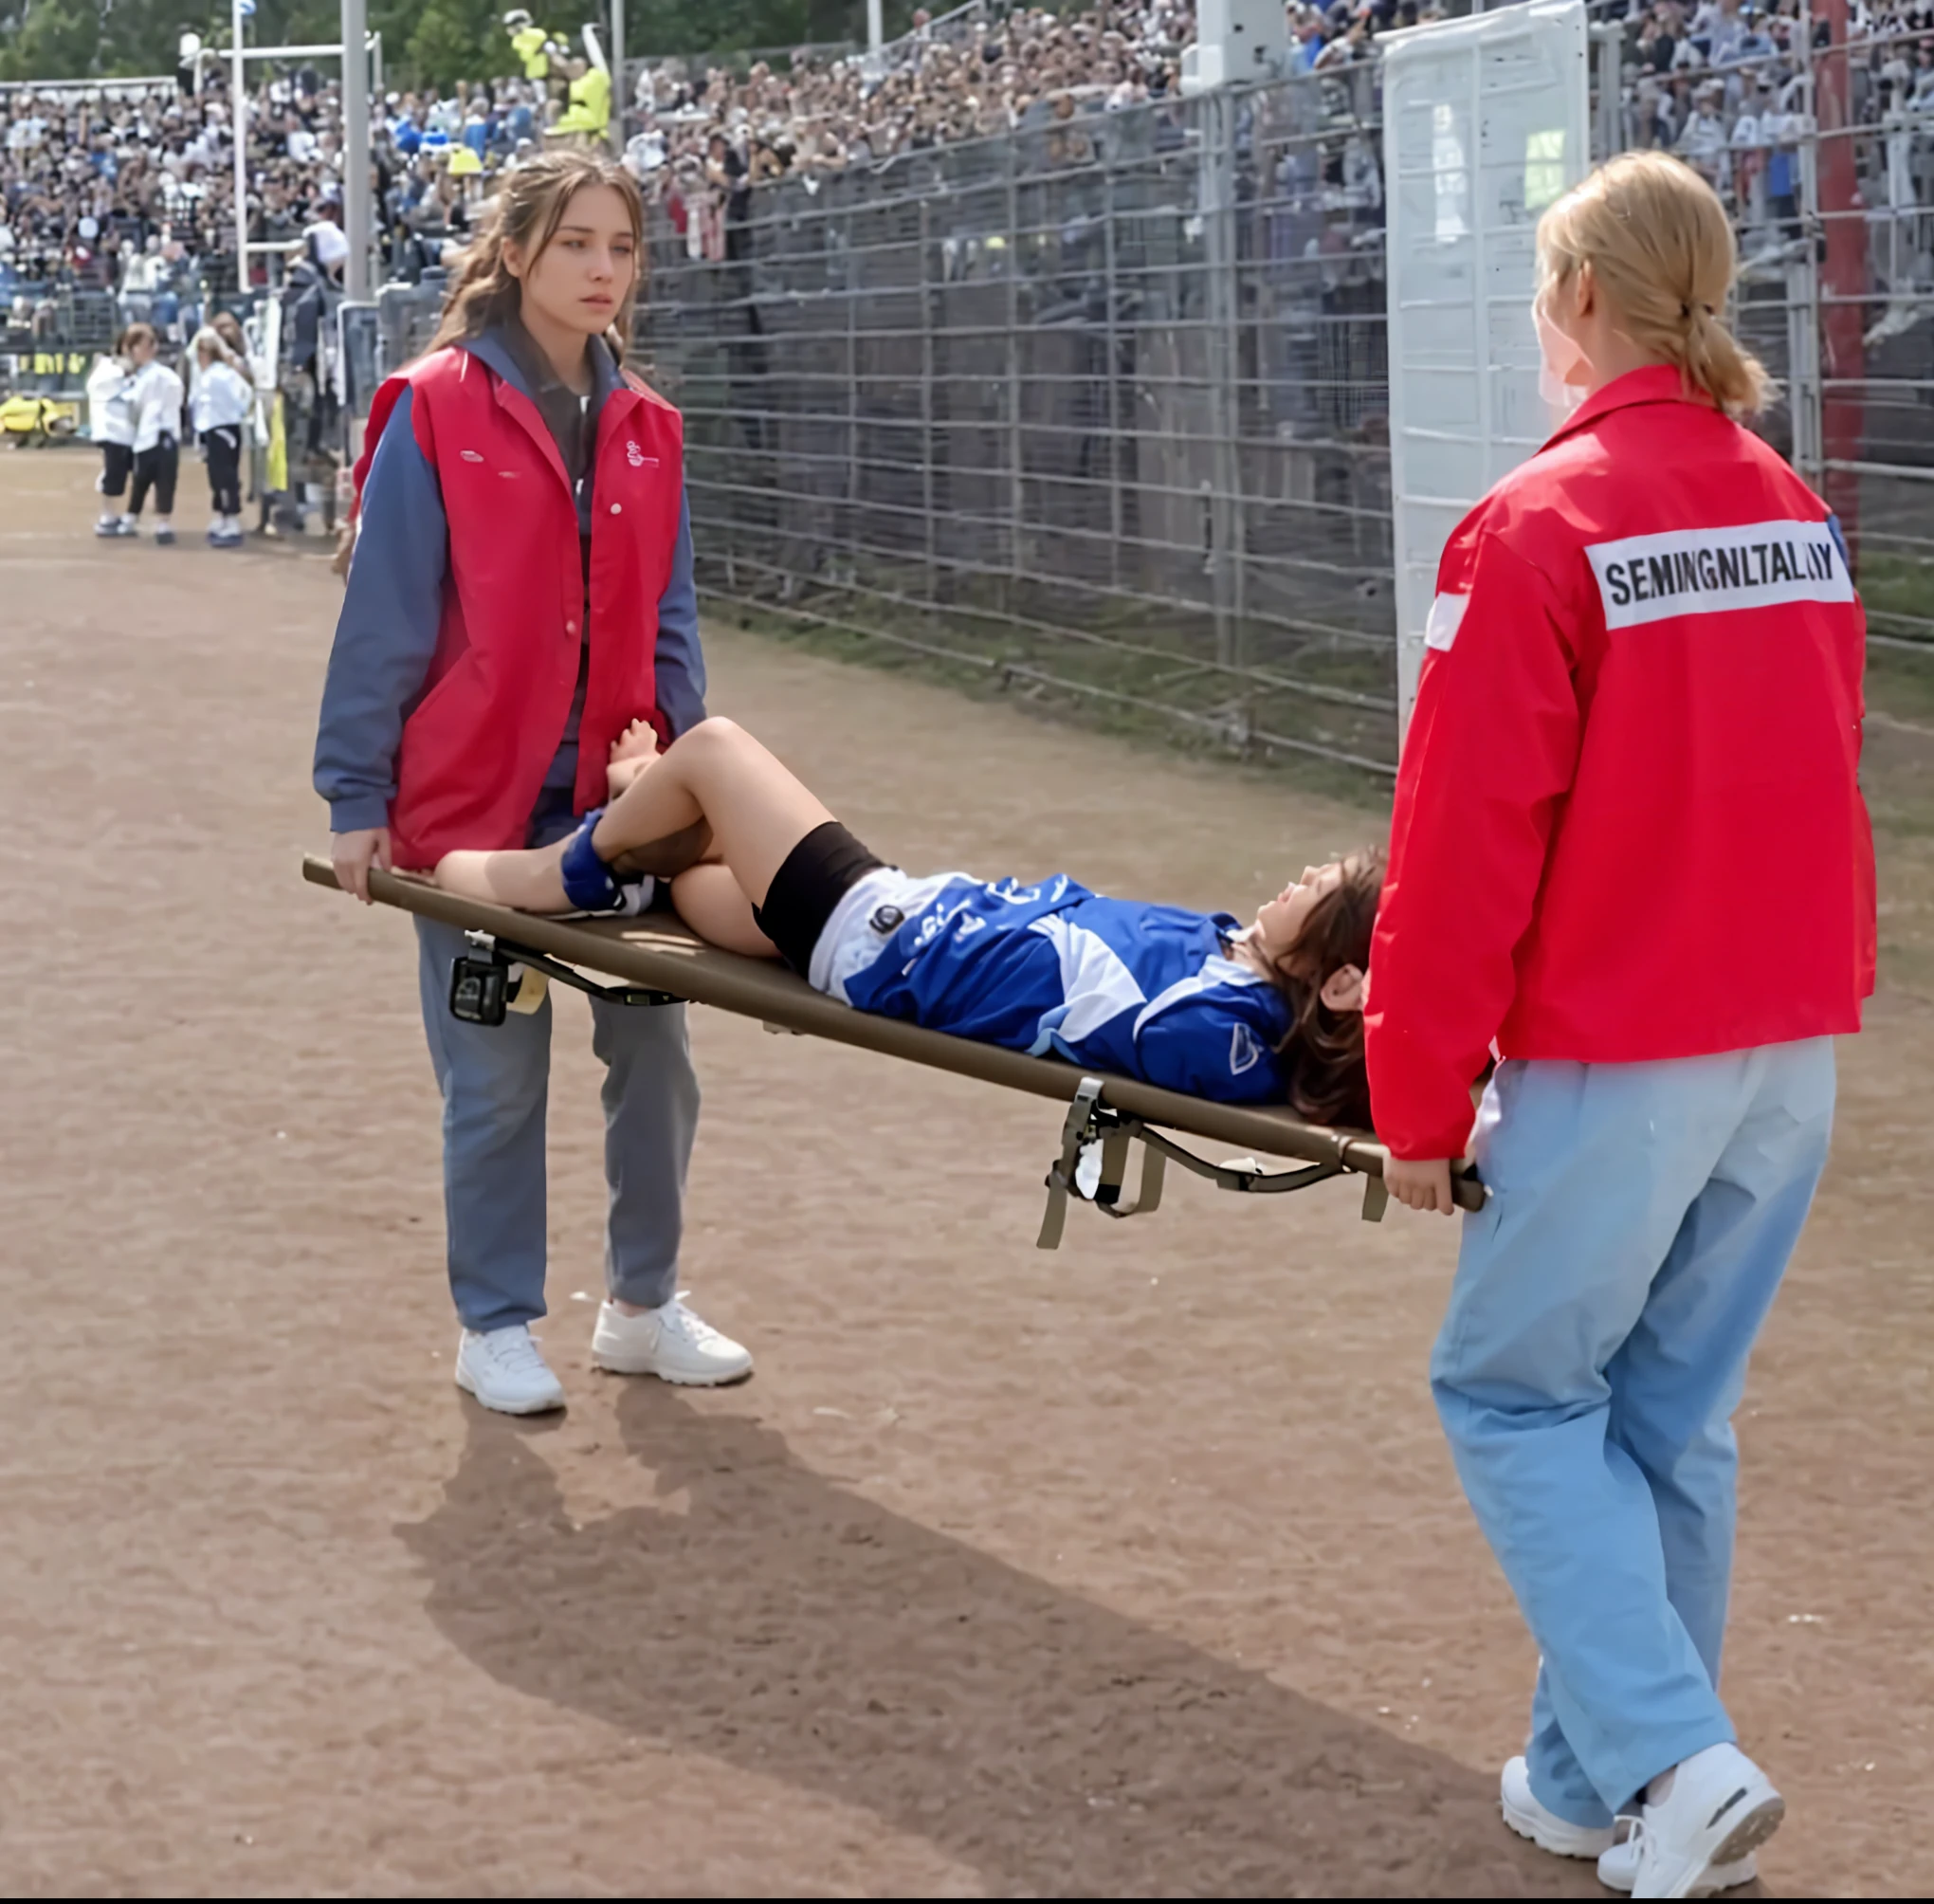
228	326
1323	1049
530	207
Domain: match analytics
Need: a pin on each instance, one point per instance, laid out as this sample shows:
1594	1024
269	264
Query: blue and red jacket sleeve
386	636
679	660
1491	752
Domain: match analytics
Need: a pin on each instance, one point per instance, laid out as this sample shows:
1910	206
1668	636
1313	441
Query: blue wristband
588	882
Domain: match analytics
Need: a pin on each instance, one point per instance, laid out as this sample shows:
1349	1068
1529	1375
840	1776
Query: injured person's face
1280	920
1318	929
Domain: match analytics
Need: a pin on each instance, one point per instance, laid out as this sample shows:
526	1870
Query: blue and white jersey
1116	985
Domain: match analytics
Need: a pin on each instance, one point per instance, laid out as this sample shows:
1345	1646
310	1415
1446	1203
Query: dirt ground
1139	1568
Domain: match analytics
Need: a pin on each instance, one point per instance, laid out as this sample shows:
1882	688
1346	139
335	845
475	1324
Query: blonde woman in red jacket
1630	854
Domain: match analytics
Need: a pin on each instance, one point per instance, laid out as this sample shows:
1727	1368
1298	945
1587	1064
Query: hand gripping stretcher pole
654	961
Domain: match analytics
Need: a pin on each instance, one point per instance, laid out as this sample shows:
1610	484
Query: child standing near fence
157	400
111	423
220	409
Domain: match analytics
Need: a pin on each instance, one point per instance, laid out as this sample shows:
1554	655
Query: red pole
1845	273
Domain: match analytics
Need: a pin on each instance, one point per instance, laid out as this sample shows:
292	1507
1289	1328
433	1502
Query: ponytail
1719	364
1661	249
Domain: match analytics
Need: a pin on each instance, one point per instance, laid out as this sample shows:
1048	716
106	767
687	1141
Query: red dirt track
1139	1567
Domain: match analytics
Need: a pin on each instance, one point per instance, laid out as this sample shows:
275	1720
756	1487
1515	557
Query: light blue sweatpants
1607	1298
494	1080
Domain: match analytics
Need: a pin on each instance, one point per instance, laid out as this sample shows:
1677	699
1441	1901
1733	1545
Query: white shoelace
515	1352
679	1321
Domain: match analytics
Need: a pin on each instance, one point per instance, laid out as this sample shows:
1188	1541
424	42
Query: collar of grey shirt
572	419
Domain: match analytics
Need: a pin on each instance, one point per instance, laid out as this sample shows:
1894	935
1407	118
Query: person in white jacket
157	398
219	408
111	423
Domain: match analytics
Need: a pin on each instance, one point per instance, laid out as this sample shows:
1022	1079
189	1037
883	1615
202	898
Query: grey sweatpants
494	1080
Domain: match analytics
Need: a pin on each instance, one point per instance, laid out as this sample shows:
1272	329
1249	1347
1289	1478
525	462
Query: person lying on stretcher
1269	1013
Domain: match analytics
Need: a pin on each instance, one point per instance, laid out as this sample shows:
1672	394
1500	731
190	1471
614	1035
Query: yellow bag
278	477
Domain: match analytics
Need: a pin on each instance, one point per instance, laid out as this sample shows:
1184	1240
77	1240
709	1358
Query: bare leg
709	900
716	775
528	880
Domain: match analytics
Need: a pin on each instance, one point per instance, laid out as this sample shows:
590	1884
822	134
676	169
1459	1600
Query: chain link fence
1100	408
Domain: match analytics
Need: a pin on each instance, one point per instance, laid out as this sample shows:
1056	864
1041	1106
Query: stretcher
654	961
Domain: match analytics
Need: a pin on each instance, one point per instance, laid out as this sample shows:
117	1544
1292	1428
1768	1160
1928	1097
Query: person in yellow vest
529	43
590	110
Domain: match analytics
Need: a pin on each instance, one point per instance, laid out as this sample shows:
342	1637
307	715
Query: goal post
1486	121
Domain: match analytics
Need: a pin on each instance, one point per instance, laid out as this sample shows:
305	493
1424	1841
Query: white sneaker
668	1341
1721	1807
504	1370
1618	1867
1544	1829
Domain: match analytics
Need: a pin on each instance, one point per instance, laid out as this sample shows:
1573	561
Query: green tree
82	39
46	38
446	40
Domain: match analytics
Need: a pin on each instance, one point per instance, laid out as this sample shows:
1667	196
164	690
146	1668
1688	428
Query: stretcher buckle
1093	1165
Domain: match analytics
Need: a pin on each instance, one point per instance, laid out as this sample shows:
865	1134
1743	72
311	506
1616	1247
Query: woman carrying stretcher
1272	1012
1628	851
520	593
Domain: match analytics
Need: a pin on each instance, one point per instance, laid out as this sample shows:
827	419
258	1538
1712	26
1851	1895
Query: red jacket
490	711
1628	822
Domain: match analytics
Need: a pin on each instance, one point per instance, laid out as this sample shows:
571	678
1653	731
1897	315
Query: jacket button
617	508
570	628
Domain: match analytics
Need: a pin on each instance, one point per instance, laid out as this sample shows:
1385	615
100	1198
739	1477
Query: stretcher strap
1092	1128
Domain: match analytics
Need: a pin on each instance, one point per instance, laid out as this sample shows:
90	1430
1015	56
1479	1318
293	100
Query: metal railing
1100	408
1096	408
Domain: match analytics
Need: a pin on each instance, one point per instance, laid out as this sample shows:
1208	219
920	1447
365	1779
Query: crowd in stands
129	188
704	142
1723	82
1728	85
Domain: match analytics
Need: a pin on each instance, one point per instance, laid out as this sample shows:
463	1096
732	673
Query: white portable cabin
1486	121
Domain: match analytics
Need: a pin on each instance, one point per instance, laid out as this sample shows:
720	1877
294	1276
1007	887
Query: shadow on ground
772	1619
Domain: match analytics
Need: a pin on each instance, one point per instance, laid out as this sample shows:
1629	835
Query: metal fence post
1015	484
1112	369
850	297
1225	512
926	401
1803	309
1608	50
